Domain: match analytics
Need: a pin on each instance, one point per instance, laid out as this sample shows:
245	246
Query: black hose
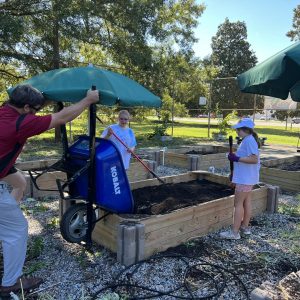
218	286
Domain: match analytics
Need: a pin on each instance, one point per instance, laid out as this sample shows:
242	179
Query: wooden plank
137	172
281	182
262	206
217	178
174	230
176	157
260	200
160	221
186	214
284	174
278	161
181	238
201	208
168	179
280	172
282	177
35	164
163	244
260	192
48	180
106	240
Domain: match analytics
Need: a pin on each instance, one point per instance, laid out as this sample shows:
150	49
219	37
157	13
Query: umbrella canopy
277	76
71	85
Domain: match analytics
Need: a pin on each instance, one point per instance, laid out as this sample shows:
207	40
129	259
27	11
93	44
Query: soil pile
200	152
294	166
168	197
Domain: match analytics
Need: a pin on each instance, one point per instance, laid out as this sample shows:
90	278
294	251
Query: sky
267	22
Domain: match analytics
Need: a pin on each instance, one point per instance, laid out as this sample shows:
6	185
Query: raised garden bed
204	204
284	172
194	158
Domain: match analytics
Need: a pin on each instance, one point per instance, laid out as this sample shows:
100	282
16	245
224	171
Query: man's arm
71	112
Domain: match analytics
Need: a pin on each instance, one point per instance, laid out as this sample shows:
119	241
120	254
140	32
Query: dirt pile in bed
294	166
200	152
168	197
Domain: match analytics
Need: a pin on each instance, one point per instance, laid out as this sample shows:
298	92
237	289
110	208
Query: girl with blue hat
245	176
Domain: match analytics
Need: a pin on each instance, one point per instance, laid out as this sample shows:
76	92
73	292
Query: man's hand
233	157
92	96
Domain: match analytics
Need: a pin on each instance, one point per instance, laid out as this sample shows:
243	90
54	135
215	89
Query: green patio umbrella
71	85
277	76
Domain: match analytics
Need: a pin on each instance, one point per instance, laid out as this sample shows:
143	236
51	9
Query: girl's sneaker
230	235
246	230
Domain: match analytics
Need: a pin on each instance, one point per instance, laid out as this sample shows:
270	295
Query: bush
165	113
159	130
223	123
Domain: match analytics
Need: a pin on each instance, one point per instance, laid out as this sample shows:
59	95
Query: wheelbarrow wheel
73	225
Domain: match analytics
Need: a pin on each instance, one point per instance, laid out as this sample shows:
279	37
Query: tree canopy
294	34
43	35
232	55
231	51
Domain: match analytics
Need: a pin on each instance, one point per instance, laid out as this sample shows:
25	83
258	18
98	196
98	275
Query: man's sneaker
230	235
246	230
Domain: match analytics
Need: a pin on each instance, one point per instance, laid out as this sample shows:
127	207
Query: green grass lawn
186	131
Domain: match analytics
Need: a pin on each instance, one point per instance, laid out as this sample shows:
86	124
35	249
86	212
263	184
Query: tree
232	55
294	34
38	36
231	52
182	77
226	94
44	35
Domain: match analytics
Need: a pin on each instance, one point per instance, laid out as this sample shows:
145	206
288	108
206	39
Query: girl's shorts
243	188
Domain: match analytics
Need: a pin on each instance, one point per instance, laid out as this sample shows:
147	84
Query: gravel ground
168	171
271	252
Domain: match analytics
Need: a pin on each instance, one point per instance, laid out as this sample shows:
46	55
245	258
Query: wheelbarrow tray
112	189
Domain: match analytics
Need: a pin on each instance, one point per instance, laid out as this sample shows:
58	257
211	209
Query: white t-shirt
126	135
247	173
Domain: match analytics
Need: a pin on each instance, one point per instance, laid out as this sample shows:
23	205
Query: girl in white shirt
124	133
245	176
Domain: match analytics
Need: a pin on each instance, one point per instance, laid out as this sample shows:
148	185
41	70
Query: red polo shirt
14	131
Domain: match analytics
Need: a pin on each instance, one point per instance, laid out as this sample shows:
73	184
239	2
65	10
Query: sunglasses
35	108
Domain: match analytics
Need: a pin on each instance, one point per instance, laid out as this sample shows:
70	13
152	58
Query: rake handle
134	155
231	151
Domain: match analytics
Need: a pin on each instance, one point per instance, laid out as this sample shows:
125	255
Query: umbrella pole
91	173
63	133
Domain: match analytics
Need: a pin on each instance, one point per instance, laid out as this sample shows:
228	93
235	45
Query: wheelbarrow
96	178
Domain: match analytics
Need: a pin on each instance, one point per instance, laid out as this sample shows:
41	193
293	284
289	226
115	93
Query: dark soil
295	166
201	152
168	197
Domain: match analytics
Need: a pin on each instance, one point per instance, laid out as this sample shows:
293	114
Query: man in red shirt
18	122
